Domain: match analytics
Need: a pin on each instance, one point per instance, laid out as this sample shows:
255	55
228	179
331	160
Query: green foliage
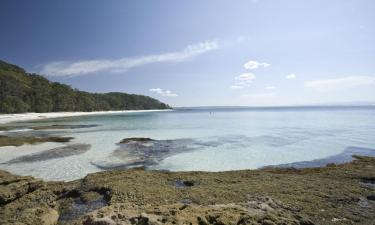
23	92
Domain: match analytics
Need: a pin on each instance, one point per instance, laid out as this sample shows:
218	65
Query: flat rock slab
327	195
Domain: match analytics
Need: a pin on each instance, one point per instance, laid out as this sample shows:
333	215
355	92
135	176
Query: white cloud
245	79
236	87
291	76
340	83
63	68
252	64
164	93
270	87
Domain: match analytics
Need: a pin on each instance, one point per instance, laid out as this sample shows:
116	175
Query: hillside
24	92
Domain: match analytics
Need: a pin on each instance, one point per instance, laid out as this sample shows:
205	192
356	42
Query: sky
199	53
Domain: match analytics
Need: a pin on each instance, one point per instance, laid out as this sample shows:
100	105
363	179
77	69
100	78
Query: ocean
196	139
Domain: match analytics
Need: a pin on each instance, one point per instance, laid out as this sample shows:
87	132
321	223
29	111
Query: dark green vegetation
19	140
337	194
24	92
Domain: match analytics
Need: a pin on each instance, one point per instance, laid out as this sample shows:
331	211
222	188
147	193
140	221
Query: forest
29	92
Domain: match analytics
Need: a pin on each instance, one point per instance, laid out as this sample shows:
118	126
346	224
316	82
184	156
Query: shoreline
9	118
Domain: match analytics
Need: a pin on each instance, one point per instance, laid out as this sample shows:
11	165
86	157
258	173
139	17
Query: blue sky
199	53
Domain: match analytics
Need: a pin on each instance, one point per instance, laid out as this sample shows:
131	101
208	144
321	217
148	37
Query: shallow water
210	139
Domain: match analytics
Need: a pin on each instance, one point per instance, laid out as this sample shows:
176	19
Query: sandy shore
8	118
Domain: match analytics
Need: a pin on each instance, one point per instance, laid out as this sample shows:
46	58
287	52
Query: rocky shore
336	194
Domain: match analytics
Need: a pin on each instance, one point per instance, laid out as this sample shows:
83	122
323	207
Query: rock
13	187
98	221
49	217
90	196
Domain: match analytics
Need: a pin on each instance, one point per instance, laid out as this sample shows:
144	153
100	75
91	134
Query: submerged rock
21	140
140	152
134	139
347	155
66	126
59	152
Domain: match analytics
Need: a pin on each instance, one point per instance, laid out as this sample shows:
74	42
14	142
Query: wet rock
371	197
368	182
90	196
98	221
78	208
348	155
183	183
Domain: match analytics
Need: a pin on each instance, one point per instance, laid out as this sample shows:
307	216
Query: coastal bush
24	92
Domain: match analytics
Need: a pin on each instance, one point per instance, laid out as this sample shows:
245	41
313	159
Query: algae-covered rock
341	194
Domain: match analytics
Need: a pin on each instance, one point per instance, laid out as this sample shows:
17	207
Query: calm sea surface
209	139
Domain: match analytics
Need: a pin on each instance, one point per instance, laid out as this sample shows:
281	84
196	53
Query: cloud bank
164	93
63	68
340	83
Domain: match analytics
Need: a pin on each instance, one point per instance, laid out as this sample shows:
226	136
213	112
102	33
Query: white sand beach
8	118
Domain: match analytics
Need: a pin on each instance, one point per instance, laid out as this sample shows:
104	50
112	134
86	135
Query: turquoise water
209	139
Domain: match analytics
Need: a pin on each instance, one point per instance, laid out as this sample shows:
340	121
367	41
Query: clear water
219	138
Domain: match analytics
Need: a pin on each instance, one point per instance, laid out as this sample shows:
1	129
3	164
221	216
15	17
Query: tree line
29	92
